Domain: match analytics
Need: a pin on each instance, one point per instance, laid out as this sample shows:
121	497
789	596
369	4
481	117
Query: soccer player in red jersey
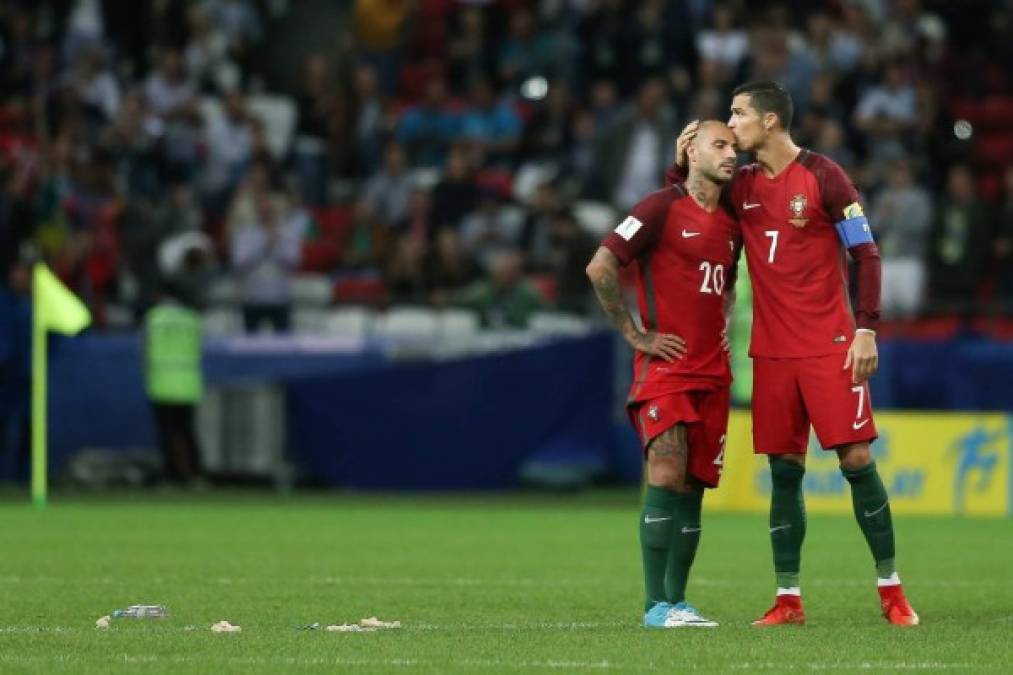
812	357
682	241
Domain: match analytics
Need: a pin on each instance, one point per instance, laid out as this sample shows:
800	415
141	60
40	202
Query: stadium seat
223	291
558	323
311	289
409	322
457	323
596	218
361	289
348	321
222	321
308	320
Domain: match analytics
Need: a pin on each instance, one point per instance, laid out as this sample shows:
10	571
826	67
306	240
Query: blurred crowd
456	153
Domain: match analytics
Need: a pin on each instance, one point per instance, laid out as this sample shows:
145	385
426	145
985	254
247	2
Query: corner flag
57	309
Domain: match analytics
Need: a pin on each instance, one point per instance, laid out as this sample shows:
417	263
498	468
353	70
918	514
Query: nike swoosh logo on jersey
859	425
689	235
648	520
746	206
869	514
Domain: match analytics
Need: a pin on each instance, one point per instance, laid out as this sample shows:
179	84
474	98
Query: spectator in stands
491	124
1004	243
527	51
364	247
95	86
447	267
373	121
403	273
380	27
959	241
632	156
469	52
418	222
388	192
492	227
264	254
504	299
133	141
259	181
537	230
229	142
427	129
171	98
724	42
903	216
314	111
547	135
206	55
456	194
887	112
830	141
569	249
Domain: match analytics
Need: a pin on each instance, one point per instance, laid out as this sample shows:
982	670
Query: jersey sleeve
841	202
840	199
642	228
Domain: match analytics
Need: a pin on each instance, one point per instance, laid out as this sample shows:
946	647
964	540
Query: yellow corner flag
54	308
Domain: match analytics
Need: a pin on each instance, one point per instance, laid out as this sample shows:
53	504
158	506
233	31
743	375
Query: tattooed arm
603	271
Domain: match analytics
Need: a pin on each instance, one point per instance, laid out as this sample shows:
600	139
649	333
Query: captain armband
854	231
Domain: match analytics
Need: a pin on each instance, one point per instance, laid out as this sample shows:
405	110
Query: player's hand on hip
663	345
683	141
862	357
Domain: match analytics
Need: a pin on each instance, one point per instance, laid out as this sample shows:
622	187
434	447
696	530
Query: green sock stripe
886	568
660	498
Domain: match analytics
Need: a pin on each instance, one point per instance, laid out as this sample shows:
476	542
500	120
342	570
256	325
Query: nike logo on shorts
859	425
648	520
869	514
690	235
746	206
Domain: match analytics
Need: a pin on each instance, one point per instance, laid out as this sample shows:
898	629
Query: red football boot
787	610
895	606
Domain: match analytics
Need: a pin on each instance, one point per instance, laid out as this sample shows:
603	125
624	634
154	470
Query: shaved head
712	151
711	129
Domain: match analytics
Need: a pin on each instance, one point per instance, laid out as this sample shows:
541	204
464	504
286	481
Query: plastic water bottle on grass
141	612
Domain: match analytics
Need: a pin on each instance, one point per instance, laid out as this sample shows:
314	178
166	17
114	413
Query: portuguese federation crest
654	413
797	206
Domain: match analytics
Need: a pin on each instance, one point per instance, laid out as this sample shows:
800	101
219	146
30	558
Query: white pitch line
518	582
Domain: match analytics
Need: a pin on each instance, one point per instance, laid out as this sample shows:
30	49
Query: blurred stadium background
381	211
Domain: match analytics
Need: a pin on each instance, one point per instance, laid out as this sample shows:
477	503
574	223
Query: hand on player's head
683	141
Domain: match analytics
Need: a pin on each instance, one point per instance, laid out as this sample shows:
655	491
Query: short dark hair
768	96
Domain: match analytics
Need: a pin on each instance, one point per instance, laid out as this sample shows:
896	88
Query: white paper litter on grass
103	623
373	622
349	628
224	626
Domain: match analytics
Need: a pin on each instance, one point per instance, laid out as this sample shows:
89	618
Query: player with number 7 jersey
800	217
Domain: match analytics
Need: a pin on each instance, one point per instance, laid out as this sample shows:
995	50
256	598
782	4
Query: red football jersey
797	263
684	257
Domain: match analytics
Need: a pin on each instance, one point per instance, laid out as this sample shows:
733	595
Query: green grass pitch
505	584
